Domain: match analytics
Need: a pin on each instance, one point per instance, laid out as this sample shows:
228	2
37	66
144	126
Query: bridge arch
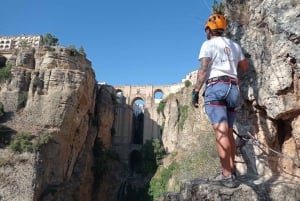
137	98
138	106
119	91
158	94
120	96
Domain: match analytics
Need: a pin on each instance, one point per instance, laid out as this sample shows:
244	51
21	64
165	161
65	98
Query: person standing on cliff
220	58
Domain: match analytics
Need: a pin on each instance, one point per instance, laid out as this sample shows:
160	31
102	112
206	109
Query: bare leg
223	144
233	148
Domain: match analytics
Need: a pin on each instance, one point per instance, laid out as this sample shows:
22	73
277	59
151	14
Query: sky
129	42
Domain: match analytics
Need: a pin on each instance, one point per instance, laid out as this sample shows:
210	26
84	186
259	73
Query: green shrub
161	107
22	99
152	154
72	50
187	83
50	40
218	7
159	150
41	140
81	51
183	114
38	83
202	162
5	73
102	156
159	185
24	44
21	142
161	128
25	142
146	163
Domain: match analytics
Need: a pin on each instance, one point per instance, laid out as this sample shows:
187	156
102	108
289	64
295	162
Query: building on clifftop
12	42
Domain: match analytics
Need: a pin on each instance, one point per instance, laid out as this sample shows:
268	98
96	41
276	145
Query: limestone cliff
52	97
268	31
269	34
53	92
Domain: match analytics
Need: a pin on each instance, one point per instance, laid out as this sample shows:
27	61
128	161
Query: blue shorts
220	101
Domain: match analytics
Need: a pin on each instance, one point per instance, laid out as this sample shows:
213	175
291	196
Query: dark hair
217	32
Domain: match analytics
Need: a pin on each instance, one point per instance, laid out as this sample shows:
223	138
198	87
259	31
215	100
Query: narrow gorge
65	137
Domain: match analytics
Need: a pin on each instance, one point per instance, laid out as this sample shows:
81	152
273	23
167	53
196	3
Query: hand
195	98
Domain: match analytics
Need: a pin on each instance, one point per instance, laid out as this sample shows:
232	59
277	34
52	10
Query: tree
73	50
81	51
24	44
218	7
49	39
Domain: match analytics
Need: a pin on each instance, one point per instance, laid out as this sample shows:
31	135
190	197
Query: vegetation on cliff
5	72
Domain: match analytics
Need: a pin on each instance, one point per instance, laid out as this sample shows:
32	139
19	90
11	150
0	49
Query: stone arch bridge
124	137
127	95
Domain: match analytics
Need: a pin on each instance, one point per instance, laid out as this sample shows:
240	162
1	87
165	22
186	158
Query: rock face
200	189
269	34
53	91
184	124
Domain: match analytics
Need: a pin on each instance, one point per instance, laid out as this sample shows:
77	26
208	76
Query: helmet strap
208	33
217	32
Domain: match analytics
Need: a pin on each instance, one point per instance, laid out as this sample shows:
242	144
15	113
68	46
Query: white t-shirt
225	55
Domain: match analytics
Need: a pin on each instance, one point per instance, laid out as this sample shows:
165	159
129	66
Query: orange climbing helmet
216	22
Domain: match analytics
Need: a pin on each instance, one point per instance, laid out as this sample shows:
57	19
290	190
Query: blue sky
129	42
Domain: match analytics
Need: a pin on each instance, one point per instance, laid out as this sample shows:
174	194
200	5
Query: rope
253	140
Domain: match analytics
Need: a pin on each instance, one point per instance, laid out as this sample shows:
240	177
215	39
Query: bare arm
202	72
243	65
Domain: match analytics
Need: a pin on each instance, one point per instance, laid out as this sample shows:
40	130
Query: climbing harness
249	138
224	79
227	80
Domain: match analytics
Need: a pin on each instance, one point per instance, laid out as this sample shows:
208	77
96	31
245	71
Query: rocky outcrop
58	92
269	34
184	126
105	106
248	190
53	92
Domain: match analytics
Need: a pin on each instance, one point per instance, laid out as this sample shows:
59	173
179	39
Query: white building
12	42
